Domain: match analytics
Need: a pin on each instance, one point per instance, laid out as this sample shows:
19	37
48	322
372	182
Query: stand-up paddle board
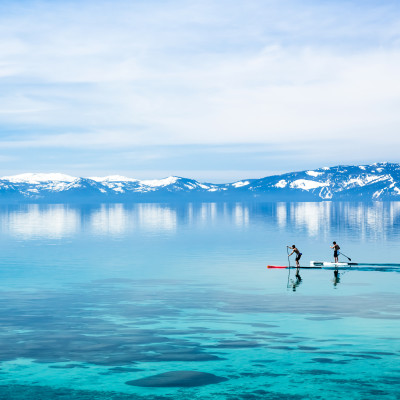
333	266
343	266
330	264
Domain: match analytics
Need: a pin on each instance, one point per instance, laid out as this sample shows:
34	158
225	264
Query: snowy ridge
376	182
160	182
306	184
113	178
240	184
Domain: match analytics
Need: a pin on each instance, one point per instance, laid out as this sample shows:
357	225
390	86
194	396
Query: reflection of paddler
336	249
297	282
298	254
336	273
336	277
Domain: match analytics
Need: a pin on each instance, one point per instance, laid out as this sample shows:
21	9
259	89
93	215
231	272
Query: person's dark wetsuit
298	254
336	249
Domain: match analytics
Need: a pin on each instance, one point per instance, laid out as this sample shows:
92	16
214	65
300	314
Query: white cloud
125	73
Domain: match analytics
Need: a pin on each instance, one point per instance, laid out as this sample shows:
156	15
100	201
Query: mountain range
375	182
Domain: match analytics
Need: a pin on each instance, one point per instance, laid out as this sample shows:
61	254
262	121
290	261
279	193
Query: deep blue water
94	297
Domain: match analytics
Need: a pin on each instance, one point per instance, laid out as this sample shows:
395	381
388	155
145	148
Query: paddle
287	251
288	277
345	255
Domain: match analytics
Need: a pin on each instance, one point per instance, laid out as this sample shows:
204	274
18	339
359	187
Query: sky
212	90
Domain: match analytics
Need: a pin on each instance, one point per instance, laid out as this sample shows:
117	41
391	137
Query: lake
161	301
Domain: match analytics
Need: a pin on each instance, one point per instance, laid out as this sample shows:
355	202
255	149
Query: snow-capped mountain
380	181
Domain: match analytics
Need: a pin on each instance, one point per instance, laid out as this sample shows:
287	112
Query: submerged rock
178	379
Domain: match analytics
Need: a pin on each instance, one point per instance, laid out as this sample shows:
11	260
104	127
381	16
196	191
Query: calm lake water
98	301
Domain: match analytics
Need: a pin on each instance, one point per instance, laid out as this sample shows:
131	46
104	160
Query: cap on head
334	242
293	246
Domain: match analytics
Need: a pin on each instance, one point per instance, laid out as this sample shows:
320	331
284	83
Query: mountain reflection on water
59	220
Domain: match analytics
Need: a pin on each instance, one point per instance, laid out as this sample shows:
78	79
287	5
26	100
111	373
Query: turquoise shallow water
94	297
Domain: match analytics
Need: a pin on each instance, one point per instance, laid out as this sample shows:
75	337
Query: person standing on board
336	249
298	254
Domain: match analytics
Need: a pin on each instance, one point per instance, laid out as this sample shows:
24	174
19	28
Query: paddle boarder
298	254
336	249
